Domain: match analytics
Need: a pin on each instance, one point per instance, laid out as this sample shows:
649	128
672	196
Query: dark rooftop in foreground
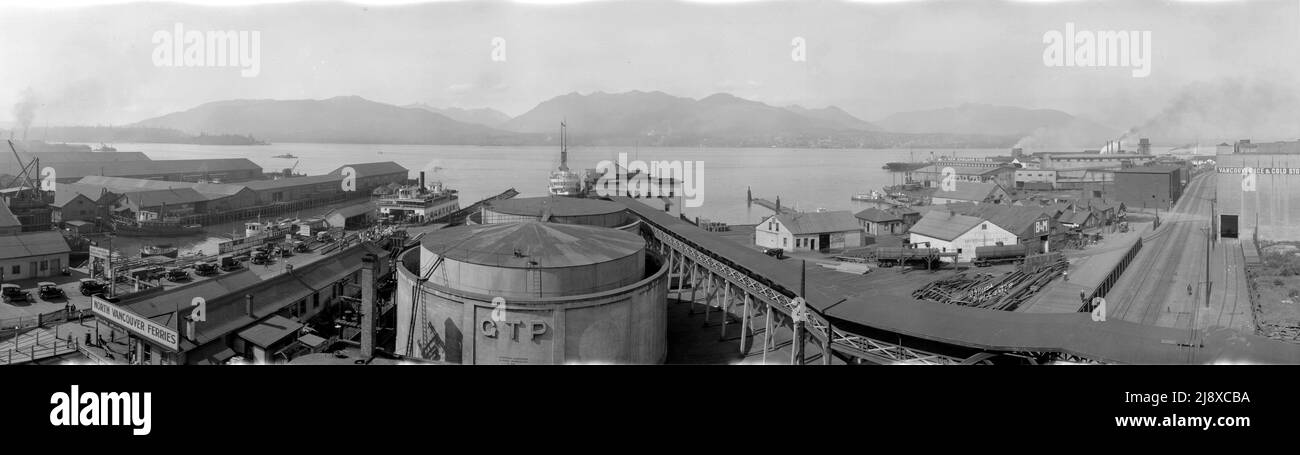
533	244
559	206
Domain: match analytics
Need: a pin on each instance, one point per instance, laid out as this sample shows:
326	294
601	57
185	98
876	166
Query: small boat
105	148
164	250
285	156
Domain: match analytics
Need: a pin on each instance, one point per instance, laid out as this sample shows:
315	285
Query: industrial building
810	231
562	210
352	217
374	175
880	222
1092	160
1035	227
246	315
225	170
973	192
932	176
953	232
563	293
73	202
1259	194
1149	187
26	255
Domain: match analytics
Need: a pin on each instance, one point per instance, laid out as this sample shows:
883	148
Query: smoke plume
1225	110
25	111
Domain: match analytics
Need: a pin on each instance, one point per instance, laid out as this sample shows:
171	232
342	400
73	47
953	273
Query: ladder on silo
418	315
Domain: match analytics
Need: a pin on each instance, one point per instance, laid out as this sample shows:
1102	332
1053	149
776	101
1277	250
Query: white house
32	255
817	231
949	232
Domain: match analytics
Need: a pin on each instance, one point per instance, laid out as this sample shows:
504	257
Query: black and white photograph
1018	184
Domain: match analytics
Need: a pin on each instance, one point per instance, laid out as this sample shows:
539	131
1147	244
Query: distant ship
159	250
105	148
286	156
419	204
564	182
153	228
895	166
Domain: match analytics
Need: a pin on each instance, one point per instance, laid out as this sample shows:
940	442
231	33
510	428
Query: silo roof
558	206
533	244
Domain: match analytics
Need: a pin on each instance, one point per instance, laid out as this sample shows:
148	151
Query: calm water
806	179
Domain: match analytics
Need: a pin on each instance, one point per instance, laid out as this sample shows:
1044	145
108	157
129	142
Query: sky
95	64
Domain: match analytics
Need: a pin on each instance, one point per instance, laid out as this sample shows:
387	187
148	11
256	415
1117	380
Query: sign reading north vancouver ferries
137	324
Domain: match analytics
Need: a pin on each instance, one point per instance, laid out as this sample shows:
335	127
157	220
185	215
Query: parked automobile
177	274
90	286
49	291
205	269
774	252
230	264
13	293
300	247
261	258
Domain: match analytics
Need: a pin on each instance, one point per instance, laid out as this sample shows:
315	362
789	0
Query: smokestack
421	179
368	305
248	304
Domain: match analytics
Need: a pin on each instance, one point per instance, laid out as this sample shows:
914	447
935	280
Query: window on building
302	307
984	226
315	300
17	269
784	243
45	265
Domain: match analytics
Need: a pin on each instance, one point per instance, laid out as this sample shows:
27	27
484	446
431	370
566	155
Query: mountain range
627	118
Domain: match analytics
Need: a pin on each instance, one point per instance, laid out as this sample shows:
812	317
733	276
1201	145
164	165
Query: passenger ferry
419	204
564	182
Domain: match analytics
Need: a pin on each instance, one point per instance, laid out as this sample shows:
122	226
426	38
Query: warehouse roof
944	225
270	330
32	244
969	191
558	206
350	211
127	184
226	301
372	169
1148	170
154	198
533	244
876	215
818	222
80	169
263	185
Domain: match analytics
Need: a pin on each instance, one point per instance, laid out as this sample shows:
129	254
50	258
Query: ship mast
564	150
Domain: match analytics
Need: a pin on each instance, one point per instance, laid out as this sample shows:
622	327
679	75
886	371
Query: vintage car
13	293
49	291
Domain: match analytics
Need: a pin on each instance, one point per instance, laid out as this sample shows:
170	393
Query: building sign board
137	324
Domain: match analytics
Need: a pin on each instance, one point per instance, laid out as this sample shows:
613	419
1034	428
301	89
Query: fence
1113	276
37	351
14	327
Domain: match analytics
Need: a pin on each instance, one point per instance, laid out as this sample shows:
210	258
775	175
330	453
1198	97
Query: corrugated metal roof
944	225
533	244
559	206
155	198
818	222
1148	170
373	169
32	244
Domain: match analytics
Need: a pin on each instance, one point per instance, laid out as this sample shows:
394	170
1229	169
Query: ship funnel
421	179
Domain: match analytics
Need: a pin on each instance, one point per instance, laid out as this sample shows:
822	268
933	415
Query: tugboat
564	182
285	156
105	148
161	249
